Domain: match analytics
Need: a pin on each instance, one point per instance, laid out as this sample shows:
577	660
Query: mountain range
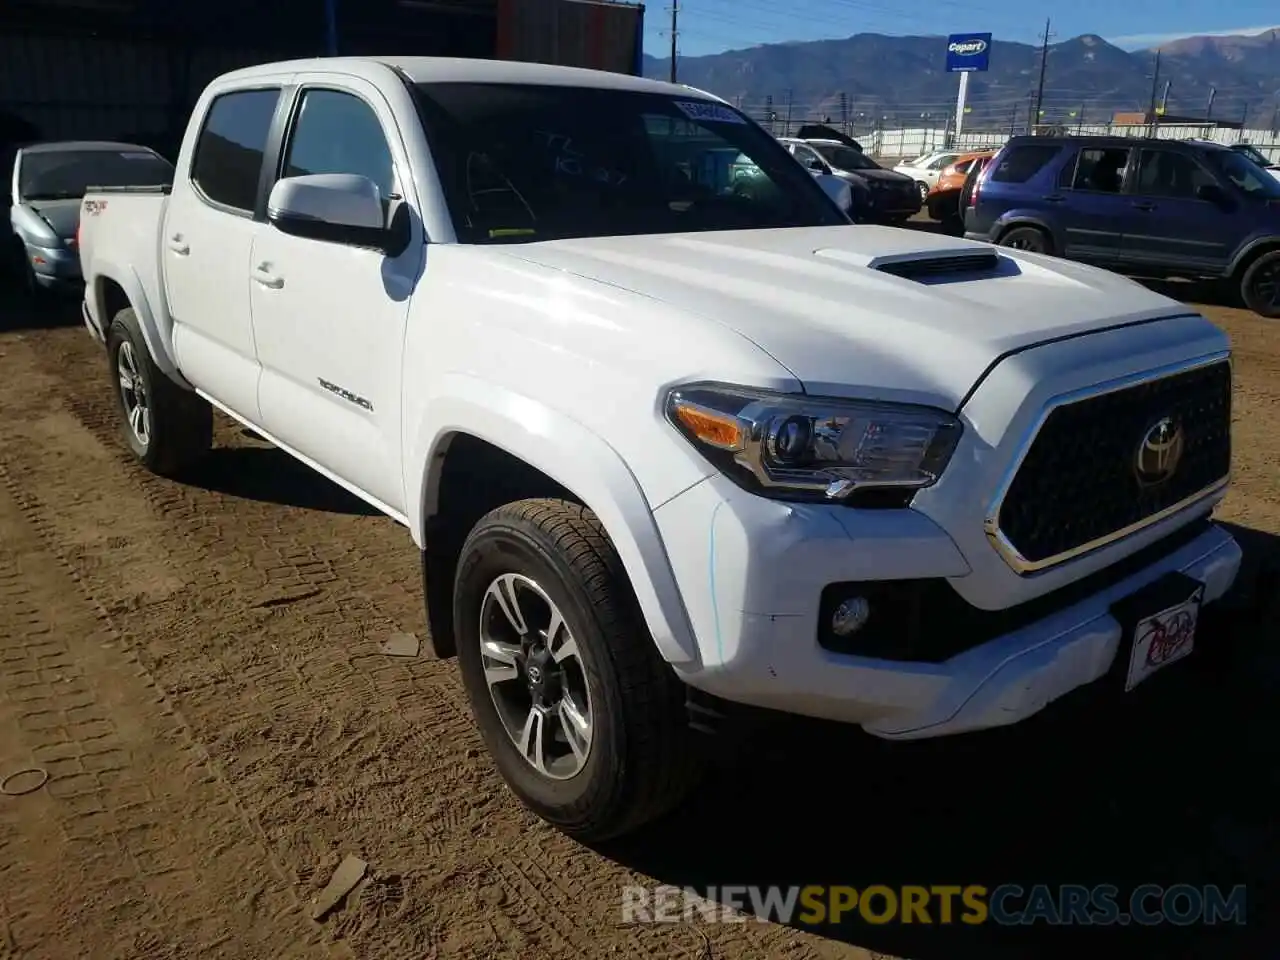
904	80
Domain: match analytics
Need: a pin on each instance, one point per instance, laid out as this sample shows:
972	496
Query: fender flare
1247	251
159	345
577	459
1024	220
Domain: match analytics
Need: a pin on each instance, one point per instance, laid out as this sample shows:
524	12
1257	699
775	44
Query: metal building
131	69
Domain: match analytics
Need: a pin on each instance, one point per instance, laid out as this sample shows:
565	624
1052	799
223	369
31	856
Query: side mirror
336	208
1212	193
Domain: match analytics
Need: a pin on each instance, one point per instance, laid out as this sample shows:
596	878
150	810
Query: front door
206	238
1089	205
330	318
1169	226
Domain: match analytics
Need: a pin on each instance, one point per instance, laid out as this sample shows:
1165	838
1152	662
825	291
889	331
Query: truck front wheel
585	722
167	428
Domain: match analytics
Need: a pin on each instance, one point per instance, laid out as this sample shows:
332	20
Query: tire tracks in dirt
97	862
328	742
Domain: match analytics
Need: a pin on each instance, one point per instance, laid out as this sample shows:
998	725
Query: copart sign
968	52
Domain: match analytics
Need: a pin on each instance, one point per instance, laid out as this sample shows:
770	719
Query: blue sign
968	52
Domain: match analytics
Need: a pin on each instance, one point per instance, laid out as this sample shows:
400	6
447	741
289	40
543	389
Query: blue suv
1155	208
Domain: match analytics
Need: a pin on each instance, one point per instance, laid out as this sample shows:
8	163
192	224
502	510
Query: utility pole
786	130
1044	62
675	32
1155	85
1164	106
1013	119
1208	113
844	113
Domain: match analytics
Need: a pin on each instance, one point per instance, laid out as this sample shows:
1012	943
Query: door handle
263	275
178	245
1144	206
1054	198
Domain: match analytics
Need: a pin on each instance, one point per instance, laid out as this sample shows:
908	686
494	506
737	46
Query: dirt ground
197	669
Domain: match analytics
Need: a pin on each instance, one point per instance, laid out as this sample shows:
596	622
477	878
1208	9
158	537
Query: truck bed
120	234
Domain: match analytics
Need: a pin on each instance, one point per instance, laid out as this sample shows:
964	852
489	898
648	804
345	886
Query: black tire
640	763
1260	285
1030	239
180	428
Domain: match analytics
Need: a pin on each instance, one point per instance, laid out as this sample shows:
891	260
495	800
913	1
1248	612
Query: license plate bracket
1159	624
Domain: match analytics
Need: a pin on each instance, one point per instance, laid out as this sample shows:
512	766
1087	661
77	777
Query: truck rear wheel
167	427
584	720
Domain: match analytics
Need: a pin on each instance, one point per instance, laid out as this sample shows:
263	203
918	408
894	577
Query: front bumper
751	572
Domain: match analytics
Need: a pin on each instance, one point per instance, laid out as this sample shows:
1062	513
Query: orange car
943	202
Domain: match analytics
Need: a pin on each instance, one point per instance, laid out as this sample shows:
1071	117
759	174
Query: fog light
851	616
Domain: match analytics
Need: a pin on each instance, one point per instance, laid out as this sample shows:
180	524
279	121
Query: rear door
1089	205
212	217
1169	226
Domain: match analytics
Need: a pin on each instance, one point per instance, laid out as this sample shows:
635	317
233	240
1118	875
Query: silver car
49	180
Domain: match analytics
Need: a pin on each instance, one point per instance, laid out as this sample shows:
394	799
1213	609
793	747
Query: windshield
66	174
1246	174
844	158
1252	153
520	163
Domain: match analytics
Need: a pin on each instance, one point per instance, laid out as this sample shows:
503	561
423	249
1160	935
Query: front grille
1078	483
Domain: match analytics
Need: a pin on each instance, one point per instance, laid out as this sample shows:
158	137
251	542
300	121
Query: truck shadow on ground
1171	784
270	475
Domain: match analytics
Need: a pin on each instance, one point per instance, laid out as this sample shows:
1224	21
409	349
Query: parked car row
1150	207
877	195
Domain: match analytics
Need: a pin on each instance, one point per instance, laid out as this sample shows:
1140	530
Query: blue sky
709	26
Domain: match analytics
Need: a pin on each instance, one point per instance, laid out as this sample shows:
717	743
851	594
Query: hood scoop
930	266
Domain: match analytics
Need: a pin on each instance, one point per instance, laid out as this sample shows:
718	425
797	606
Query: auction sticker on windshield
708	112
1163	638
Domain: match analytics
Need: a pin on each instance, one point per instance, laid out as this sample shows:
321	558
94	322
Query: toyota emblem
1159	452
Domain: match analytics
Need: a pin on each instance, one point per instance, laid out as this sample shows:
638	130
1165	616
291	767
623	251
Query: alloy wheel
133	394
536	677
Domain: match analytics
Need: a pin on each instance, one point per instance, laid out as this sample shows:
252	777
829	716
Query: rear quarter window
1019	164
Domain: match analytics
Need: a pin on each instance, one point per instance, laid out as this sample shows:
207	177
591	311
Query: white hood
818	301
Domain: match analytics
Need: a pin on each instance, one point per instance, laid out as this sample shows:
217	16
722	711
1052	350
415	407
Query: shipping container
598	34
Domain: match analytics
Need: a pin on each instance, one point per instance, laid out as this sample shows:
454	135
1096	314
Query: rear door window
1019	164
1097	170
228	155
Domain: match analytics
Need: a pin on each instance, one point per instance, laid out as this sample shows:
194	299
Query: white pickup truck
666	446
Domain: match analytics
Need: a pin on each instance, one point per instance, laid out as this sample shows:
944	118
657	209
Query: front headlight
814	448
